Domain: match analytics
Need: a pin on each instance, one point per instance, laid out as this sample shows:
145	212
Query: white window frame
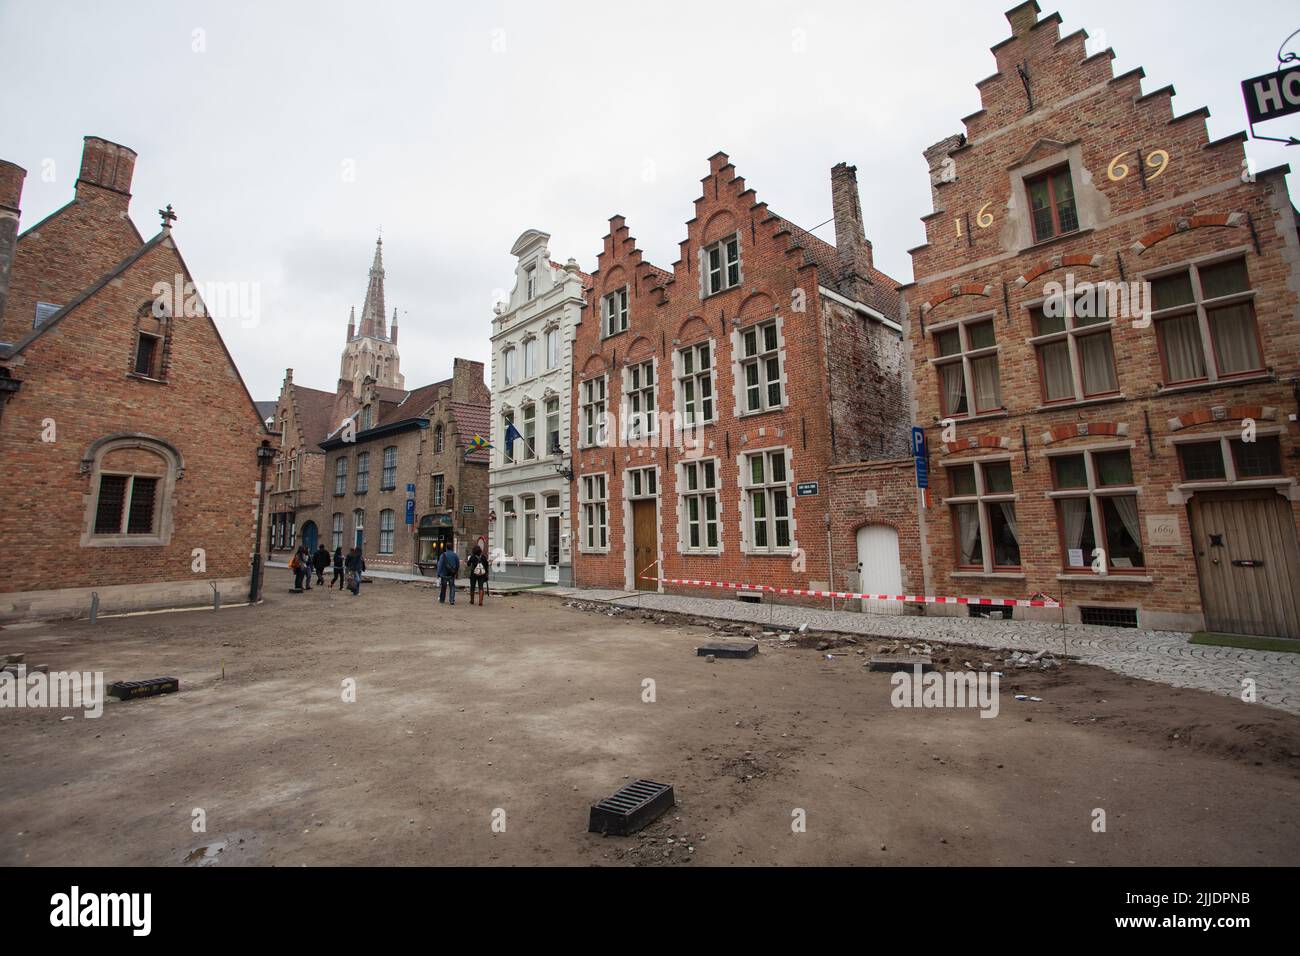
529	431
614	312
530	283
387	526
719	279
693	380
439	490
552	348
336	530
640	401
594	507
341	476
1094	492
553	448
767	489
508	364
363	472
530	358
692	488
760	361
594	394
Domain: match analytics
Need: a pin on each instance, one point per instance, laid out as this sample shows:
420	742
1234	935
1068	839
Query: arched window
132	484
437	440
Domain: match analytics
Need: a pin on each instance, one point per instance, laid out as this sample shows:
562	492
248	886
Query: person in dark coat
448	568
355	565
320	561
338	569
478	574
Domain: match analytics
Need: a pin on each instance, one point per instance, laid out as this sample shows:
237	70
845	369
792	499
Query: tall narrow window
767	493
760	367
698	506
594	513
552	348
336	530
439	436
615	309
387	525
1051	203
593	412
722	265
530	433
508	454
641	408
358	527
390	468
147	349
340	476
695	384
530	358
508	519
530	526
508	365
439	486
363	472
530	282
552	426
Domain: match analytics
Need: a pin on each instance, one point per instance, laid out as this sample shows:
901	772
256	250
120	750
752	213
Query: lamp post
264	455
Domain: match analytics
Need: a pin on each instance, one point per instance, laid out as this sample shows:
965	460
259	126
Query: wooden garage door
1248	561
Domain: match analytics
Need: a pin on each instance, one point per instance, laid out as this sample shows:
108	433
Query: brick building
1140	465
302	419
351	459
413	449
712	400
129	439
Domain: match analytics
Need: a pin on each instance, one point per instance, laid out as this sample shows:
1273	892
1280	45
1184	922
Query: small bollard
94	606
216	597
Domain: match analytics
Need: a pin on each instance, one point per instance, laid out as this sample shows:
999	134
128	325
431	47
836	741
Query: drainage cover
631	808
728	649
131	689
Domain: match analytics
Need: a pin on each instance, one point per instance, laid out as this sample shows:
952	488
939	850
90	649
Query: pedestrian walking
320	561
448	568
355	565
339	576
478	574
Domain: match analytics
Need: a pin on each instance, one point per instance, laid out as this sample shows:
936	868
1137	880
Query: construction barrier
855	596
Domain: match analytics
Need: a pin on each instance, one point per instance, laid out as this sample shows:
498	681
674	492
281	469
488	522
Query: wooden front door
1248	562
644	551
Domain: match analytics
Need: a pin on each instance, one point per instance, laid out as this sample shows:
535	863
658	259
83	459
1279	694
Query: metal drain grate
1109	616
631	808
131	689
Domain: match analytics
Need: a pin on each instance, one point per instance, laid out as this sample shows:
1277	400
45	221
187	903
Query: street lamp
264	455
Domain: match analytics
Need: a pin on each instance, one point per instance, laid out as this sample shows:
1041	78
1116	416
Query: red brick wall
880	492
667	314
1195	206
76	375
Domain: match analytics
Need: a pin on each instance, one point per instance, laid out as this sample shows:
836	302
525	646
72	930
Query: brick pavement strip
1165	657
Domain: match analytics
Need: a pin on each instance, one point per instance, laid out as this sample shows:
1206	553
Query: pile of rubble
1040	660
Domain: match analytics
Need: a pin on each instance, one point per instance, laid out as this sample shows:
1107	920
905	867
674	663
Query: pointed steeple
352	323
372	311
392	329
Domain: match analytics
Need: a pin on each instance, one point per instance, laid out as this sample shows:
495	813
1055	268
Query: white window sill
1079	403
1007	575
1252	379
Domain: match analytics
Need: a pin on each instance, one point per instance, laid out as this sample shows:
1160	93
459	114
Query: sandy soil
534	708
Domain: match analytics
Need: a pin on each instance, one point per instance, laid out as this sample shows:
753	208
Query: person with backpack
320	561
448	568
478	574
338	570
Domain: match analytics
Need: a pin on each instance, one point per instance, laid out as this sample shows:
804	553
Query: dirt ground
528	711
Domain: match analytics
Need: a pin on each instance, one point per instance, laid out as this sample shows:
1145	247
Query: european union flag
511	434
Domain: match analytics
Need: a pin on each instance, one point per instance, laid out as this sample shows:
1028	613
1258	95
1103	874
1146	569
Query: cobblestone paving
1167	657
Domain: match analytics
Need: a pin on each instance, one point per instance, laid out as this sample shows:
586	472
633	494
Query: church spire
372	311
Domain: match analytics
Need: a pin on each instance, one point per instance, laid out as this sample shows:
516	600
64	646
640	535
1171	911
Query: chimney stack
11	193
105	165
850	238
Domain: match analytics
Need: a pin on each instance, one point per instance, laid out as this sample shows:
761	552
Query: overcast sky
464	124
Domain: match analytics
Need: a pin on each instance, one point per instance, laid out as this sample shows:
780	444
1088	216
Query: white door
879	570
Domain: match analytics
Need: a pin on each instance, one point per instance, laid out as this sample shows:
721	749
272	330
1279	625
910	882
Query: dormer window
722	265
530	282
615	308
367	417
1051	203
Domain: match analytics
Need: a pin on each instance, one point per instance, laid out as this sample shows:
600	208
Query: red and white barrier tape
854	596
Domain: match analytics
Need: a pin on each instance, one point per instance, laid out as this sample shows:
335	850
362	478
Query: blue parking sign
410	511
918	441
922	472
